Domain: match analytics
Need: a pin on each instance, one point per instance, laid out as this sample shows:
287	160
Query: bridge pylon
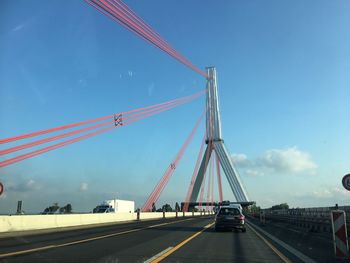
215	143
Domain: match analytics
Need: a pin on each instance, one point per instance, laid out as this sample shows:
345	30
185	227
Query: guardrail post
192	212
340	237
176	213
163	213
262	217
138	215
200	212
183	213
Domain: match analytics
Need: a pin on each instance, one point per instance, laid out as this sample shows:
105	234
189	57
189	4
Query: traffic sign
346	182
1	188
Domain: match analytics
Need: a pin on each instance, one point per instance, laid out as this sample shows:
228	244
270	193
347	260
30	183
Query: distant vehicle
229	217
103	209
115	206
228	203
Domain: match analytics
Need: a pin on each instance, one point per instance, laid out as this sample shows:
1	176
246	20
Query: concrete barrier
35	222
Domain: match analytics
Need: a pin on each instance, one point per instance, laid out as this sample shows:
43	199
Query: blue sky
284	86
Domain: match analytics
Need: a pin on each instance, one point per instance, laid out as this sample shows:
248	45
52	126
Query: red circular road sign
346	182
1	188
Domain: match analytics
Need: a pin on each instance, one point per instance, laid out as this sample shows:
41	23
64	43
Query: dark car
229	218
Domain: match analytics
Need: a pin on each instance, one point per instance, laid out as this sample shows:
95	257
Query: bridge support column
215	142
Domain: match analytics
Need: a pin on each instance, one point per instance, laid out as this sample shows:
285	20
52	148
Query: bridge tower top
213	121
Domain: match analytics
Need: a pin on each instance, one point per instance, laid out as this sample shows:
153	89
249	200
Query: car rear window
229	211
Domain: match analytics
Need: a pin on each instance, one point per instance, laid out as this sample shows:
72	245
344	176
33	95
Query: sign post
262	217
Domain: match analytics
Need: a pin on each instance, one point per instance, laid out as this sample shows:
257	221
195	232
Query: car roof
228	206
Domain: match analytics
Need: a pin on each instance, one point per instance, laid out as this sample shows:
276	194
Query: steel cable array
153	197
113	121
118	11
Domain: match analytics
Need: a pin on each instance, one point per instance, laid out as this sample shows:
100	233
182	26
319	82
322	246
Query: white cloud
19	27
281	161
30	183
84	187
322	193
240	159
23	186
287	160
321	197
251	172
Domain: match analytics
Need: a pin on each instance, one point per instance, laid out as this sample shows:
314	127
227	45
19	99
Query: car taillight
241	217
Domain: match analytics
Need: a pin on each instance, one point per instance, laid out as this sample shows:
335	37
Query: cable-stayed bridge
186	236
215	154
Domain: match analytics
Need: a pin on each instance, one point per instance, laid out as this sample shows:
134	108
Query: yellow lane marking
274	249
163	256
16	253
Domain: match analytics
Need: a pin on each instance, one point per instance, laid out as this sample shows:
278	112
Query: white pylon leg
215	142
200	175
230	172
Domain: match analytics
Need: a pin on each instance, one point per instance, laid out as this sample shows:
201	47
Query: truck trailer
115	206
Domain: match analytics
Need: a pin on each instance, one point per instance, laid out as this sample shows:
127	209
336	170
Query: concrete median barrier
12	223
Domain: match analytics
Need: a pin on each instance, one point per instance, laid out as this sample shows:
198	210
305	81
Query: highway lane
226	246
140	241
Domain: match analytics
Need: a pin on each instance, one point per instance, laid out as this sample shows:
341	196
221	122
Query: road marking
278	253
16	253
158	255
169	252
292	250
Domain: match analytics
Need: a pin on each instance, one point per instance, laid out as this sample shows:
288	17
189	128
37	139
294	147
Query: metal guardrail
316	219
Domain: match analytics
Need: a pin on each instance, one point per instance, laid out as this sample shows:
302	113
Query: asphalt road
170	240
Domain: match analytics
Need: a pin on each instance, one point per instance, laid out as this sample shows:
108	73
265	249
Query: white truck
115	206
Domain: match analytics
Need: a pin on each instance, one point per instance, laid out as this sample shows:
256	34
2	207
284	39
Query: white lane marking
292	250
158	255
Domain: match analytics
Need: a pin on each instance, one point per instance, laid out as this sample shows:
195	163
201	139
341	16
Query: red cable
125	21
141	21
64	143
32	134
154	196
145	207
52	147
56	137
164	180
156	37
194	176
160	186
139	28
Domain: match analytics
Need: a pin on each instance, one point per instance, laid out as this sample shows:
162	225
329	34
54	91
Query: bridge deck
139	241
